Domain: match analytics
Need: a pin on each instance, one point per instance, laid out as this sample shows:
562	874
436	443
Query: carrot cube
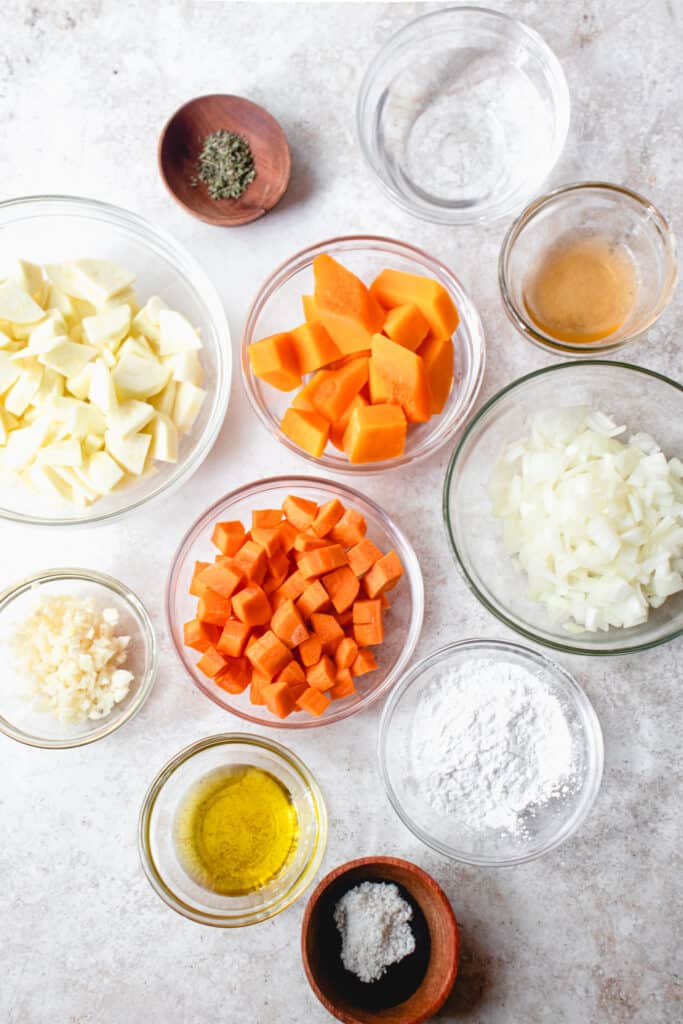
279	699
211	662
292	588
288	625
213	608
362	556
288	535
251	559
342	585
346	653
223	579
384	574
313	701
258	684
365	662
328	630
269	538
343	686
323	675
196	588
268	654
234	638
265	519
367	623
350	529
292	674
322	560
228	537
310	651
235	677
299	511
328	516
251	606
199	635
313	599
309	542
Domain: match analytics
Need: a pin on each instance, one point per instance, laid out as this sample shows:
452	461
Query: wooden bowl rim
445	908
220	219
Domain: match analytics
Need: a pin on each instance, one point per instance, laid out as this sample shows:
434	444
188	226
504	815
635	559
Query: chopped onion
596	523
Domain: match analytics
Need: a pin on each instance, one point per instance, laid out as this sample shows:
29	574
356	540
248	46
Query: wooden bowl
421	982
181	142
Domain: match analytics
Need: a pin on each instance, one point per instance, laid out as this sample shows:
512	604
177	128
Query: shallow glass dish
160	860
624	220
277	307
403	621
57	228
18	719
462	115
545	829
638	398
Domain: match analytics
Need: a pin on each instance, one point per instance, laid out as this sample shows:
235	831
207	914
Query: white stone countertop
587	935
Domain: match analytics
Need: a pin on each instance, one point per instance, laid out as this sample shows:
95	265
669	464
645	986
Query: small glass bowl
640	399
462	115
157	818
277	307
594	209
18	719
551	825
403	622
57	228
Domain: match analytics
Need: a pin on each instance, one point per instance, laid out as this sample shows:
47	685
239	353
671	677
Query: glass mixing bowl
638	398
403	621
160	860
462	115
552	823
18	719
49	229
277	307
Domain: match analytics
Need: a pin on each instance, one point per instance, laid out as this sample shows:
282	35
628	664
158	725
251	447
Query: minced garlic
71	657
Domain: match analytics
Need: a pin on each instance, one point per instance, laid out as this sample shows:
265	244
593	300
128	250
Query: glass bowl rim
453	462
553	72
308	871
581	350
591	728
333	488
344	243
206	296
112	721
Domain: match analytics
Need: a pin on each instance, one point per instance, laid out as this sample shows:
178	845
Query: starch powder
490	745
373	921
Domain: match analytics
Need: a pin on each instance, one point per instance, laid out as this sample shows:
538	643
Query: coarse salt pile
373	921
71	657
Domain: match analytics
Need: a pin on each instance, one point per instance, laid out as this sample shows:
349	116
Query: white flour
490	745
372	920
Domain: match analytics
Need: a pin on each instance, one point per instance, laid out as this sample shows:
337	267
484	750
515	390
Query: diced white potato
60	301
17	306
29	276
109	328
92	443
20	395
85	419
136	345
147	320
79	385
129	417
67	357
129	452
165	400
102	391
103	472
99	280
176	334
188	402
24	443
61	453
83	492
186	366
164	439
46	481
51	384
61	277
43	336
128	297
135	377
9	372
5	340
4	432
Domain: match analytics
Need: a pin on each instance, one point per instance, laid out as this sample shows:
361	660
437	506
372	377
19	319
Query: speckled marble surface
590	933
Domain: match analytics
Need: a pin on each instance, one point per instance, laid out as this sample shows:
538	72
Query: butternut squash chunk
375	432
345	307
274	360
308	430
406	325
313	347
404	374
396	288
437	356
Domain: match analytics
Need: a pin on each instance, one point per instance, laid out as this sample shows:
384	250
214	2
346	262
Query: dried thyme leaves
226	165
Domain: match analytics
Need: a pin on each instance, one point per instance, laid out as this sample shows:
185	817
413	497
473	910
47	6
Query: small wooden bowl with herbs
379	942
224	159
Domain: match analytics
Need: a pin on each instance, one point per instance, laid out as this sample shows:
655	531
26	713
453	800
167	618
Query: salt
373	921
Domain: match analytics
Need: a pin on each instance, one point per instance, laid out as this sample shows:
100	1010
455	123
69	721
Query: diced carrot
437	356
321	561
313	599
196	588
233	639
288	535
395	288
292	588
265	519
252	560
375	433
199	635
251	606
338	428
211	662
259	681
404	374
406	325
343	686
279	565
296	690
235	677
269	538
384	575
309	542
346	653
344	305
328	630
308	430
279	699
368	628
313	701
288	625
362	556
332	391
323	675
269	655
327	518
292	674
272	583
350	529
365	662
345	618
228	537
213	608
309	308
386	604
342	585
274	360
221	578
299	511
313	346
310	651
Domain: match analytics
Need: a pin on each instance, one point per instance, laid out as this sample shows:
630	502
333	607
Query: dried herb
226	165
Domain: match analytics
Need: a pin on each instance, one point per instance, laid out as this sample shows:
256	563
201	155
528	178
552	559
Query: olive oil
236	829
582	289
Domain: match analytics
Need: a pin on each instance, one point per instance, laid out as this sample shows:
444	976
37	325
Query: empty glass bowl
546	826
160	860
639	399
277	307
18	718
462	115
620	220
